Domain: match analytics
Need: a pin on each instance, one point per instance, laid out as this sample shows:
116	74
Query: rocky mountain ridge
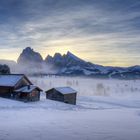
70	64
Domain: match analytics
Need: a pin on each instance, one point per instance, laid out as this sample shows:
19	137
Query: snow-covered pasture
105	110
90	86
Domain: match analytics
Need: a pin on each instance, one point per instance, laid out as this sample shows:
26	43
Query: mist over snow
91	87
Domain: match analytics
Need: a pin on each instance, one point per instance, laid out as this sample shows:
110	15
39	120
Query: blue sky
106	32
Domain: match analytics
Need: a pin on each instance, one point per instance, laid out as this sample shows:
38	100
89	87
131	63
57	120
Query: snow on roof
65	90
9	80
27	89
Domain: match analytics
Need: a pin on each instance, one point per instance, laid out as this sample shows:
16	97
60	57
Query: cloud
92	27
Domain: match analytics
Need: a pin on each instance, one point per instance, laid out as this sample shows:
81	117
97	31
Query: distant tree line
4	69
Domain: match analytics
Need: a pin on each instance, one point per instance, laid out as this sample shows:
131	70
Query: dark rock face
49	59
29	56
69	64
56	60
4	69
30	62
66	60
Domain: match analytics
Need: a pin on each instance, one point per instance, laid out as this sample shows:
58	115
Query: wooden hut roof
28	89
10	80
65	90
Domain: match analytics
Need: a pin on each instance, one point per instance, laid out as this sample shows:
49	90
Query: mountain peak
57	55
28	49
68	52
72	56
28	55
49	59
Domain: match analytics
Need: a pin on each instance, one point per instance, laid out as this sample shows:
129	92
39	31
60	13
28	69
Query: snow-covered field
105	110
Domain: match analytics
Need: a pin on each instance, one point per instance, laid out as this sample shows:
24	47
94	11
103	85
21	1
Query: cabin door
23	96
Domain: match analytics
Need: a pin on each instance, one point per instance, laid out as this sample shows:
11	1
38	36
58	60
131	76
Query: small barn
28	93
62	94
15	86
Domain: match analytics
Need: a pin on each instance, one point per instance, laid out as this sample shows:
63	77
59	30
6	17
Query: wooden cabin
28	93
11	86
62	94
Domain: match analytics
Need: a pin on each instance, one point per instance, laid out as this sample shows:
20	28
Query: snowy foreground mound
105	110
93	118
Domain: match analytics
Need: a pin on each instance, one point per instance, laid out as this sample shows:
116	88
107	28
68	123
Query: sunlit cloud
105	32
